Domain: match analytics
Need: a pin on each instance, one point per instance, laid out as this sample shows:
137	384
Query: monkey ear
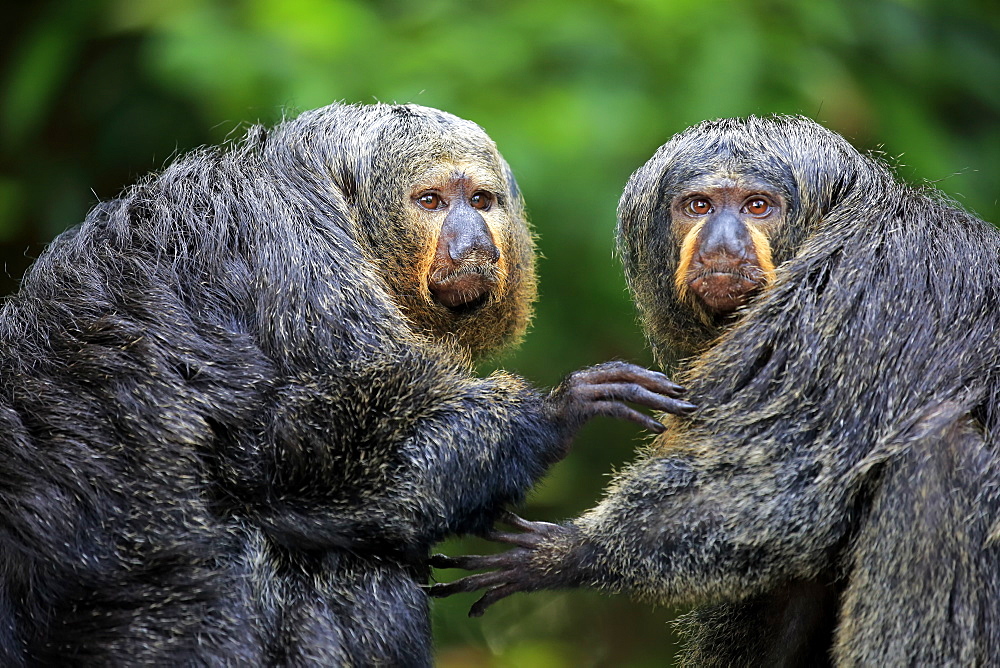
513	191
345	179
647	193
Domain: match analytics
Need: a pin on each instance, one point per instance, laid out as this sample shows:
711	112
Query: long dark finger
633	393
655	381
468	584
527	525
680	407
525	540
469	562
621	411
622	372
492	596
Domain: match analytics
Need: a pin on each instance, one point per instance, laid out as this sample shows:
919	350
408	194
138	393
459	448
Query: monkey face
722	225
705	221
468	277
434	211
461	208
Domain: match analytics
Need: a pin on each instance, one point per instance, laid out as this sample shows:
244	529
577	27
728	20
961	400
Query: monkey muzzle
463	287
464	272
722	287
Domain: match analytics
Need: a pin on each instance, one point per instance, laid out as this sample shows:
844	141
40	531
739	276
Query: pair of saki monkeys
238	409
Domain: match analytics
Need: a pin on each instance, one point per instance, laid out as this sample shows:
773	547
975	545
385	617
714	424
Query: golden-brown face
722	224
459	207
463	268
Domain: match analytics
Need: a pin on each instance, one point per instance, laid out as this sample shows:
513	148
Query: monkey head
436	211
722	224
467	275
457	204
706	221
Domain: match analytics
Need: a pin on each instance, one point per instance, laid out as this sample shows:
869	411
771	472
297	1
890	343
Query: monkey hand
603	390
528	567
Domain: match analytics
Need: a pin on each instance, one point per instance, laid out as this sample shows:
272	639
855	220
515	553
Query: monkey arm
420	449
675	529
506	435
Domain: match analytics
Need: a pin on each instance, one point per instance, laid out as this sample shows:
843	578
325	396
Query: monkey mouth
723	291
464	289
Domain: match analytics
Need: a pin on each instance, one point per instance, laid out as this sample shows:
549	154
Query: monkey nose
465	238
480	250
725	236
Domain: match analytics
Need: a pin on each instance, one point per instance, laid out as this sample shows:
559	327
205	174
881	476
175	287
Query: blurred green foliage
577	93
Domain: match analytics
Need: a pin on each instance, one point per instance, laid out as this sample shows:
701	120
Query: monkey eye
430	201
698	206
482	200
758	206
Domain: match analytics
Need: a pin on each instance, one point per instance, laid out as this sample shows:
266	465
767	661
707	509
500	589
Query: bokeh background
577	93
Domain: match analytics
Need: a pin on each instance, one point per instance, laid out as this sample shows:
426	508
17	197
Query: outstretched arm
419	450
512	571
675	530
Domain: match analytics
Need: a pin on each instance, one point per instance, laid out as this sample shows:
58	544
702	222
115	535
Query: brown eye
699	207
481	200
430	201
757	206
